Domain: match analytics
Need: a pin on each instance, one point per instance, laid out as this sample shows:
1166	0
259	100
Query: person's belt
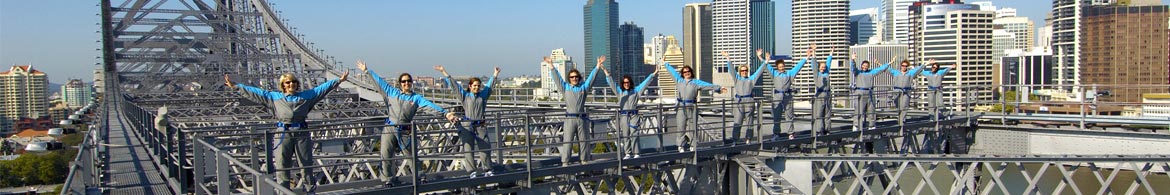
577	115
822	89
407	128
743	96
905	88
685	102
862	88
782	91
934	88
292	125
628	112
473	122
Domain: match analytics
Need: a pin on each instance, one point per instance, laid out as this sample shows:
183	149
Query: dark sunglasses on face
574	77
286	82
405	81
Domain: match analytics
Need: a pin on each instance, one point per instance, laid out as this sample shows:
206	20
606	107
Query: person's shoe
775	137
692	149
681	149
855	129
627	157
791	136
747	141
488	174
387	183
636	156
472	175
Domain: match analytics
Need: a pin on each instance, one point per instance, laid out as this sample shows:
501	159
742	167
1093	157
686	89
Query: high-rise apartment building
697	52
1020	27
76	93
955	34
738	28
863	25
825	23
658	47
896	24
601	31
1022	71
1124	47
25	94
1001	41
1066	37
674	56
632	61
563	63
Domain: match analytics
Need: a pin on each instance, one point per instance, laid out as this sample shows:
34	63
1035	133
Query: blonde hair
288	77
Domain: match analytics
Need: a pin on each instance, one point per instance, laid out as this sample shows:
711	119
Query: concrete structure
955	34
1022	27
1156	105
1044	34
1001	41
76	93
25	94
632	61
562	62
657	48
674	56
897	21
697	52
1025	68
1066	37
1124	47
863	25
601	31
826	23
738	28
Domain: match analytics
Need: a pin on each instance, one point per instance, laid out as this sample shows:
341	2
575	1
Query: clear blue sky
59	36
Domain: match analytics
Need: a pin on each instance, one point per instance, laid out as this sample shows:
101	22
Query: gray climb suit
863	111
745	108
782	109
688	93
628	117
904	85
290	112
935	91
822	98
577	121
471	133
402	105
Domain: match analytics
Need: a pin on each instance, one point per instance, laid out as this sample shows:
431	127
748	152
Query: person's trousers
474	138
863	113
395	139
628	124
576	129
744	115
821	108
783	114
293	143
685	121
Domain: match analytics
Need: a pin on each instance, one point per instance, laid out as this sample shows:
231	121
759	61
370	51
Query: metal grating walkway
129	168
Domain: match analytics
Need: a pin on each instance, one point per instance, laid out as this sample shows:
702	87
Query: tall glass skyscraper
601	25
763	28
630	44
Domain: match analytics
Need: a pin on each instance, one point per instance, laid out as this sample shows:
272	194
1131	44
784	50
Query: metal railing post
528	144
498	141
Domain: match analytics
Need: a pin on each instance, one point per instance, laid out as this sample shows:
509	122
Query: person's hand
440	68
228	81
497	72
451	117
853	56
930	62
726	56
767	56
722	90
759	52
547	60
361	65
600	59
344	76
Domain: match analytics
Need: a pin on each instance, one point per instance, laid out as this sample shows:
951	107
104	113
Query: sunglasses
287	82
743	70
405	81
686	71
625	82
574	77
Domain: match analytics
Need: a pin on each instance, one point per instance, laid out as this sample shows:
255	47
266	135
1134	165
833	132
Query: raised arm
487	87
431	107
556	75
642	86
252	93
609	80
828	64
589	80
759	70
730	69
321	90
704	85
796	69
879	69
386	87
673	73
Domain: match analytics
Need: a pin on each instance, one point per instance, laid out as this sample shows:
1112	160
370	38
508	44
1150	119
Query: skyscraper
601	29
739	27
826	23
76	93
632	61
562	63
697	36
955	34
658	47
897	21
1020	27
863	24
674	56
25	94
1001	41
1066	36
1123	47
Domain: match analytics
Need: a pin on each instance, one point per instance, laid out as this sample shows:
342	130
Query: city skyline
63	43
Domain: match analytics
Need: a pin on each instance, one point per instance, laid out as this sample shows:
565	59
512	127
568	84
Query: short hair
288	77
779	61
473	80
571	71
